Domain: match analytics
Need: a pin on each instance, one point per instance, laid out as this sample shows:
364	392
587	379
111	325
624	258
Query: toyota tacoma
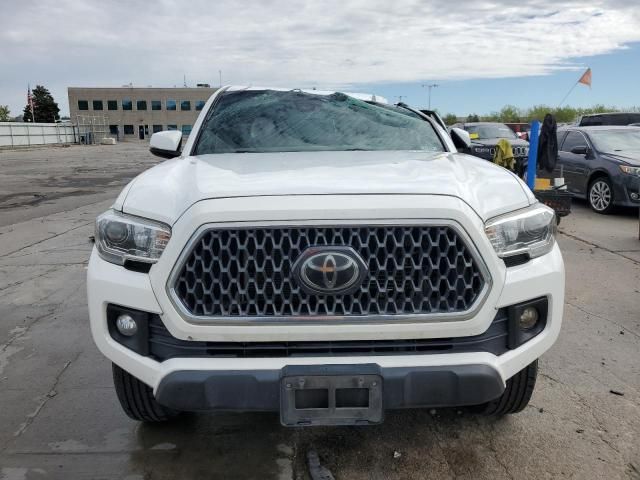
327	256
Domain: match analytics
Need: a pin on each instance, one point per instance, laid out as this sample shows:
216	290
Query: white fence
16	134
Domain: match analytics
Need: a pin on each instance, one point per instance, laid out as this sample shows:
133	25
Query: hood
629	157
491	142
167	190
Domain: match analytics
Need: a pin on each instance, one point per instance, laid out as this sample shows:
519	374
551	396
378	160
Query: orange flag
586	77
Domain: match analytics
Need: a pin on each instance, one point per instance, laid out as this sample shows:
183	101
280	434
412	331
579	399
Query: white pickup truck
327	256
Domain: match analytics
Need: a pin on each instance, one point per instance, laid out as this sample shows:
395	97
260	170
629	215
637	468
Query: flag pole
33	115
568	93
584	78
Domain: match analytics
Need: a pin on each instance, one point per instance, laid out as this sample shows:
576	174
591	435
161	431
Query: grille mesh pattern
247	272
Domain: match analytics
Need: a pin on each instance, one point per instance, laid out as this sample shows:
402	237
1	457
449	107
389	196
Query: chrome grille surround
327	310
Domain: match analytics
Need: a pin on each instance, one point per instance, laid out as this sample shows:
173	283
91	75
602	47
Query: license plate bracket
331	399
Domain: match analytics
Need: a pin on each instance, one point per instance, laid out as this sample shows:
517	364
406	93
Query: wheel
601	195
517	394
137	400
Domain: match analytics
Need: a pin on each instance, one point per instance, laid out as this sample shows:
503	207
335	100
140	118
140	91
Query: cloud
322	43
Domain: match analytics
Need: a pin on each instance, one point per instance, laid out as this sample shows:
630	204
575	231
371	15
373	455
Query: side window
622	119
572	140
592	120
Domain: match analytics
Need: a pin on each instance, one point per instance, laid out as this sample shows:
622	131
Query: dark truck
485	136
612	118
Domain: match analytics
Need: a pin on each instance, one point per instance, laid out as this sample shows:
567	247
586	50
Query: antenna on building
184	81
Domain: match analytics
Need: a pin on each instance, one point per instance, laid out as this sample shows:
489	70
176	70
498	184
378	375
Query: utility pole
220	74
429	87
400	97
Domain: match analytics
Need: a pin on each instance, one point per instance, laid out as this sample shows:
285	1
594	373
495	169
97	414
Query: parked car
601	164
613	118
326	256
522	130
485	136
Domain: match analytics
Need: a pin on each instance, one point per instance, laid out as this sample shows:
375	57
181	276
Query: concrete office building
133	113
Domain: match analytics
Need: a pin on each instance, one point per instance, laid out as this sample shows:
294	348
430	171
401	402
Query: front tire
516	395
600	195
137	400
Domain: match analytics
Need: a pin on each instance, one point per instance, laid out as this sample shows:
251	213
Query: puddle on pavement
212	446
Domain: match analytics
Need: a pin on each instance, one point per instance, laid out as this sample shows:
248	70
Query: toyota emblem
329	270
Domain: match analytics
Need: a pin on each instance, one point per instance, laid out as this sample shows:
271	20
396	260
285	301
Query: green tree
450	119
4	113
44	106
509	114
472	118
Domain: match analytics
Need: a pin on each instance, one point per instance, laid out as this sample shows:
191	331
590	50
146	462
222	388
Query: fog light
528	318
635	196
126	325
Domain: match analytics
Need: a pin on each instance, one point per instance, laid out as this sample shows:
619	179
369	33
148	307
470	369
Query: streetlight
429	87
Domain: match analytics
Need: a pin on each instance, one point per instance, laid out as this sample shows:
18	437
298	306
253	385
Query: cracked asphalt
59	416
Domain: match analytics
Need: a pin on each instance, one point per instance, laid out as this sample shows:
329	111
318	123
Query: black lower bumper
260	390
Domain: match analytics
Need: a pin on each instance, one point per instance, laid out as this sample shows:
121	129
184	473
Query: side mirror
461	138
166	144
580	150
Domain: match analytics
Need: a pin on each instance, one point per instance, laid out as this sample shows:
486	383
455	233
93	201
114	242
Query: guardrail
16	134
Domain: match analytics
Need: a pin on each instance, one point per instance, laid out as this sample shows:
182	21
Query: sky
483	54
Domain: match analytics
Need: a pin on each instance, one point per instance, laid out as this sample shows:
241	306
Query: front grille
519	151
232	273
163	346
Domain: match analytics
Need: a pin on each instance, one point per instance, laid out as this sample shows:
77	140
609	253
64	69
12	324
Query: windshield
293	121
497	130
616	140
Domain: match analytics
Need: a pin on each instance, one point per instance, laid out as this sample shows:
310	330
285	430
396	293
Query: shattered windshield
255	121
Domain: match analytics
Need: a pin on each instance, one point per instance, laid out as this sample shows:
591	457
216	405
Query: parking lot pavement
59	416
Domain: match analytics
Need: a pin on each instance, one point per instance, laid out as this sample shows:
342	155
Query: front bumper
627	191
259	390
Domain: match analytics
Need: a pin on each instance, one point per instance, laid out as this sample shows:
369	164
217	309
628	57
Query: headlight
531	230
630	170
122	237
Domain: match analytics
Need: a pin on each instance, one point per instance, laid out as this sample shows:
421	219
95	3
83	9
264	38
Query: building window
171	104
200	105
112	105
113	129
157	128
141	105
185	105
128	129
156	105
127	104
83	105
97	104
186	129
172	127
